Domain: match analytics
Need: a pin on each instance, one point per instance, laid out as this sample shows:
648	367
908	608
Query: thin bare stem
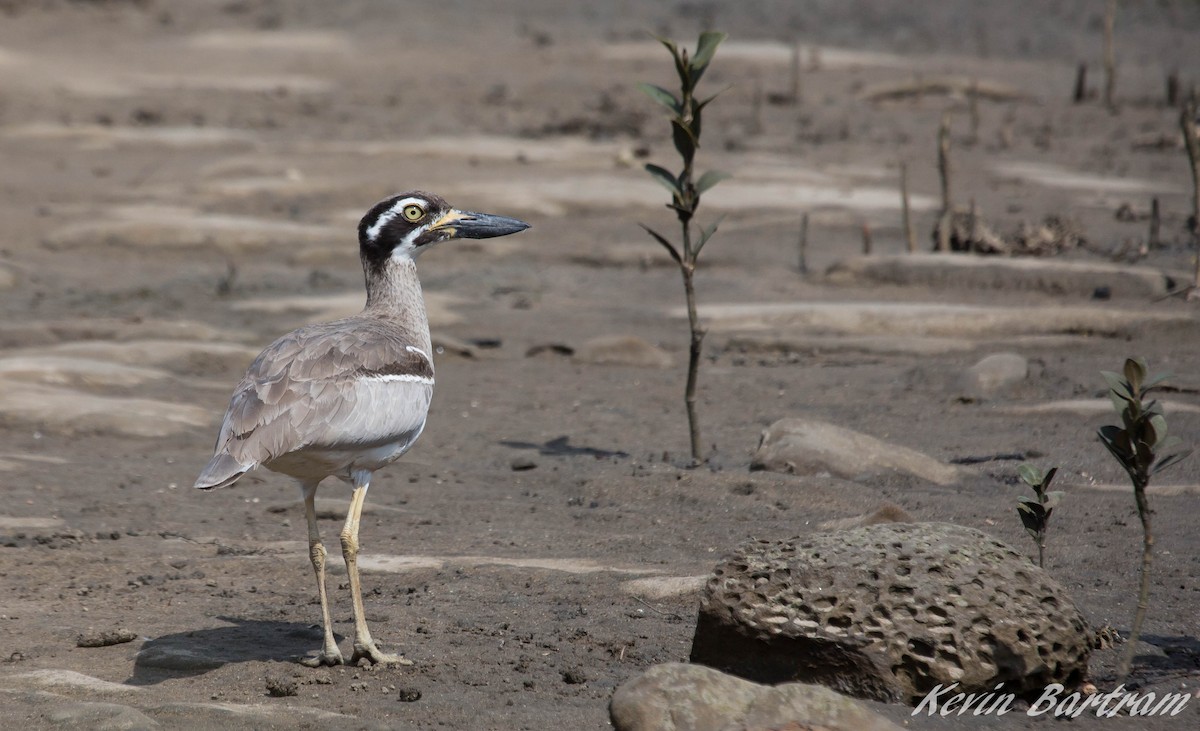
796	69
1110	54
1153	240
973	110
694	352
1080	94
1191	140
943	138
802	246
910	236
1143	605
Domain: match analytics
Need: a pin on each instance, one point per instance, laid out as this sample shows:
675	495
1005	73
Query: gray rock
885	513
170	657
993	374
681	697
1053	276
935	319
889	612
264	716
625	350
66	411
99	717
805	447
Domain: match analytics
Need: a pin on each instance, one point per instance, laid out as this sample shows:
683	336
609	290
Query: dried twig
656	610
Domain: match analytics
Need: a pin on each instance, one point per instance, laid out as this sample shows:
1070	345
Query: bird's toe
375	656
323	658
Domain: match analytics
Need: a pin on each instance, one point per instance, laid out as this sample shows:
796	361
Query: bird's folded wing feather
328	386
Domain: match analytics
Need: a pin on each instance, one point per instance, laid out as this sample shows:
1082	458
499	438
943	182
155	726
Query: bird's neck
394	295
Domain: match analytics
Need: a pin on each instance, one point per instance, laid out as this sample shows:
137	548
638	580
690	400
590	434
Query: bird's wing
328	386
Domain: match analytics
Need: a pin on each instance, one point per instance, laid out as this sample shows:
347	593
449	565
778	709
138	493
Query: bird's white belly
316	463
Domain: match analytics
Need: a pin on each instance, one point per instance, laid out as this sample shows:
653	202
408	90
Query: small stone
574	677
807	447
280	687
167	657
993	374
522	464
626	350
105	638
408	695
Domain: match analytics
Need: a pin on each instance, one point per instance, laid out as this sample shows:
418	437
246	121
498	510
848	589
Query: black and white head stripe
401	206
404	225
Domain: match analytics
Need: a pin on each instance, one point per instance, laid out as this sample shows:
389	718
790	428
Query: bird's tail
221	471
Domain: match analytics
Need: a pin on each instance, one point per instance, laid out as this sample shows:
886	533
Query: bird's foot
324	657
375	656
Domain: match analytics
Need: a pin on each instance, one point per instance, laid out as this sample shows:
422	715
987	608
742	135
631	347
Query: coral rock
889	612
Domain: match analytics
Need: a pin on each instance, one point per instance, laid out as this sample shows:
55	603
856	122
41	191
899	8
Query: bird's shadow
560	447
187	654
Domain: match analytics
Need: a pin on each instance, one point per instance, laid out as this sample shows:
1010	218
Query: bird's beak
470	225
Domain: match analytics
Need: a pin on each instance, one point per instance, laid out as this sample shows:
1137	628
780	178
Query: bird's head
403	226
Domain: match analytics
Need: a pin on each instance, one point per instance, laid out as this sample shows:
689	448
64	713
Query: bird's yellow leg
329	654
364	646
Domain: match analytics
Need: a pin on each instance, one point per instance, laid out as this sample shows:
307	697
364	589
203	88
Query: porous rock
889	612
682	697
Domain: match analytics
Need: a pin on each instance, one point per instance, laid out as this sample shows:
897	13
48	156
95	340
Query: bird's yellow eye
413	212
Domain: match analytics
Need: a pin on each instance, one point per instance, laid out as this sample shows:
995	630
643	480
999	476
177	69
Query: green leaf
1156	380
706	234
1030	474
680	65
709	179
1158	429
666	178
1168	444
705	48
663	97
685	142
1026	500
1135	373
1053	499
670	44
1032	518
1118	385
1116	440
1169	460
665	244
1049	477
